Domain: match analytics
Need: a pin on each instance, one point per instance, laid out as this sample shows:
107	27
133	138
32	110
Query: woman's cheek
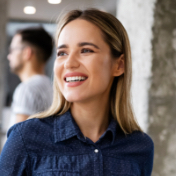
57	73
57	68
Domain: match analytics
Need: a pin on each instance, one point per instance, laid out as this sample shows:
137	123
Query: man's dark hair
40	39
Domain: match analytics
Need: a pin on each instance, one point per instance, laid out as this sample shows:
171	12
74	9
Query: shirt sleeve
24	100
30	99
148	165
14	157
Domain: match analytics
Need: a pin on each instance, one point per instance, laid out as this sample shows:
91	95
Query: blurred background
151	26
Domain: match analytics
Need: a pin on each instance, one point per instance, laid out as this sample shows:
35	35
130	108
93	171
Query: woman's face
84	66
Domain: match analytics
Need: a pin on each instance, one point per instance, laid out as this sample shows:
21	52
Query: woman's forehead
80	30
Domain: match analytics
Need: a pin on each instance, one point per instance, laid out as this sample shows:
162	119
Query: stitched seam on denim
35	156
56	170
55	131
94	163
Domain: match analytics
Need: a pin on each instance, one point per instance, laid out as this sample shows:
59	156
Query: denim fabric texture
55	146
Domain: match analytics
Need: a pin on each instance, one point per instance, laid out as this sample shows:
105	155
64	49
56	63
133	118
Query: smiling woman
90	128
86	54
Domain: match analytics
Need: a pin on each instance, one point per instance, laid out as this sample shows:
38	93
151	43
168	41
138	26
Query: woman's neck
92	118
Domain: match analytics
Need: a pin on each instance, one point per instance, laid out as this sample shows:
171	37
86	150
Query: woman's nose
71	61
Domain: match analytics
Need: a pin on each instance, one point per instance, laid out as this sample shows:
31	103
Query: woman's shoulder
142	136
136	146
138	138
136	142
35	134
33	126
37	121
141	141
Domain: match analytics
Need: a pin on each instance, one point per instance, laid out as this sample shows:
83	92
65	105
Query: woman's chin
73	99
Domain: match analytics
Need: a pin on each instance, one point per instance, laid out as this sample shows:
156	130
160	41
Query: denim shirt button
96	150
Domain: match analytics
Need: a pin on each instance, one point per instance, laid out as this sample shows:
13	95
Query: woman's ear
119	66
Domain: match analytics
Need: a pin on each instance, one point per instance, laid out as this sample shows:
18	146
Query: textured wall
3	20
162	104
137	17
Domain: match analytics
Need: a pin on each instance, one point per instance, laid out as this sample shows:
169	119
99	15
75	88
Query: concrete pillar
137	17
151	26
3	21
162	99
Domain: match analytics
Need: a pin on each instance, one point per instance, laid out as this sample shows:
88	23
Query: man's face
15	55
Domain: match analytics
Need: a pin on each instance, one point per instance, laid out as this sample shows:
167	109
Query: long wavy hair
116	37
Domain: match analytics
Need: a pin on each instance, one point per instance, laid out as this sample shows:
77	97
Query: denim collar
65	127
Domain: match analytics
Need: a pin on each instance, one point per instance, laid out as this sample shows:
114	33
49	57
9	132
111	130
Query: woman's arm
14	157
148	165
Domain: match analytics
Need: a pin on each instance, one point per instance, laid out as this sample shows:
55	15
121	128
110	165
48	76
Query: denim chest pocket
58	165
57	173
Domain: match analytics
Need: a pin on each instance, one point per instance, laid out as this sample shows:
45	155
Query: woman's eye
61	53
87	51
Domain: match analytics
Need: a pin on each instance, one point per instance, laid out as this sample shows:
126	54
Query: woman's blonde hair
120	97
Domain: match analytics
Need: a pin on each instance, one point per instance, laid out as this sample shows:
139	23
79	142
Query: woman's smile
75	79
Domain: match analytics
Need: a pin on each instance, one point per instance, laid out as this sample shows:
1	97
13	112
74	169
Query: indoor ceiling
49	13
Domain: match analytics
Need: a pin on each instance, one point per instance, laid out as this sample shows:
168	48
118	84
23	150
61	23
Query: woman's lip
74	84
75	74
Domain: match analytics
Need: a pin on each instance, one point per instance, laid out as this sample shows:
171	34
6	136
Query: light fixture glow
29	10
54	1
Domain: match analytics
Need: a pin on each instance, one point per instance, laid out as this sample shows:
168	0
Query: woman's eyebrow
62	46
79	44
87	43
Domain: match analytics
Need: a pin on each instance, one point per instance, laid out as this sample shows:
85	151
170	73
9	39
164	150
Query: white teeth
75	78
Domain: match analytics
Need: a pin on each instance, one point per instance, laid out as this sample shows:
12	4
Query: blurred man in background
30	49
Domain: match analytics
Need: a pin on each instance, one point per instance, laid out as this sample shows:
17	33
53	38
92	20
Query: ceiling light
54	1
29	10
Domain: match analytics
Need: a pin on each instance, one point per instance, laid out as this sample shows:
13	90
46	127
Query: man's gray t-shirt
31	96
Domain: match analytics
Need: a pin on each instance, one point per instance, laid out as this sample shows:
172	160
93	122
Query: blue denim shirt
55	146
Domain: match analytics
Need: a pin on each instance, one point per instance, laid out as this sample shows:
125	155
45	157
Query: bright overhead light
29	10
54	1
